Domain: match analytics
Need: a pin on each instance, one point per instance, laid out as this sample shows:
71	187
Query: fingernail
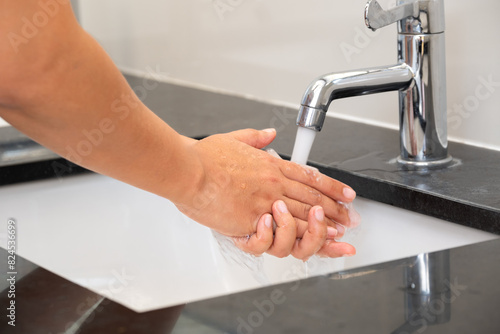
331	232
349	193
270	130
268	221
281	206
348	255
319	214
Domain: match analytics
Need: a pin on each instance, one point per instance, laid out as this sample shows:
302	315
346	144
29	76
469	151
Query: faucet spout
420	78
322	91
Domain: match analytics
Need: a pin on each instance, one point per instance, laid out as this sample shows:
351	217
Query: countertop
360	155
373	299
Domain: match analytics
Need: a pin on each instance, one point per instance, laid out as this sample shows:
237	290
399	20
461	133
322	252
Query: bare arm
66	93
61	89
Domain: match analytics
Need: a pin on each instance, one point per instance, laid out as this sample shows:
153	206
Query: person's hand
319	238
239	183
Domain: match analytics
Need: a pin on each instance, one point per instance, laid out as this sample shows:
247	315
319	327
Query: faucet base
431	164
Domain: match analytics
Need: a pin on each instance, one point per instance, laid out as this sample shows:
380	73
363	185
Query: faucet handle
413	17
376	17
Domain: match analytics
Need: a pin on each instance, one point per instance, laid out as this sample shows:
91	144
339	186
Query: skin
60	88
318	239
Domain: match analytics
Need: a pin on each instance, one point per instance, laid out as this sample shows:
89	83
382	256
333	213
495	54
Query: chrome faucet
419	76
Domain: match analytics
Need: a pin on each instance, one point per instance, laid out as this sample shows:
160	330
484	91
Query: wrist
187	175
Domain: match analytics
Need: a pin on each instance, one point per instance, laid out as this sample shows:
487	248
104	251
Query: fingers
286	231
259	242
336	213
334	249
293	236
255	138
333	231
262	240
314	237
322	183
311	237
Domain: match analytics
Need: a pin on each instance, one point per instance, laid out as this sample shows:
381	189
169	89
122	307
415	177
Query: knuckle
312	176
272	178
315	196
305	211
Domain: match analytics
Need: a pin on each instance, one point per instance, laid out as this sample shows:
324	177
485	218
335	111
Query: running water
233	255
301	149
315	265
303	143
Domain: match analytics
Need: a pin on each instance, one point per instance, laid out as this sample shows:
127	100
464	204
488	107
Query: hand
317	239
239	183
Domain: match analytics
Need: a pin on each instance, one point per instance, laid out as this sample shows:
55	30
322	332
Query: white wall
273	49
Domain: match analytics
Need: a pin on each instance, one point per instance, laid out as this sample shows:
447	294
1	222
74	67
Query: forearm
78	104
62	90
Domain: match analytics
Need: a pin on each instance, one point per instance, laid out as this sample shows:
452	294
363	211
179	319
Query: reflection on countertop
463	297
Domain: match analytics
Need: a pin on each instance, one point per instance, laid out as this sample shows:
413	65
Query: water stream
315	265
303	143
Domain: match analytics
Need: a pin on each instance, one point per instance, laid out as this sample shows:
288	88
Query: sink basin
138	250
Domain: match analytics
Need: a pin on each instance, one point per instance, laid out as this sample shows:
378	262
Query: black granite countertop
360	155
373	299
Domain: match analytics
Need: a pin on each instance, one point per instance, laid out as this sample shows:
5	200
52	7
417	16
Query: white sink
138	250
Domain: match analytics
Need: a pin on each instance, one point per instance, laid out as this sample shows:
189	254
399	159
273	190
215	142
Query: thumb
255	138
